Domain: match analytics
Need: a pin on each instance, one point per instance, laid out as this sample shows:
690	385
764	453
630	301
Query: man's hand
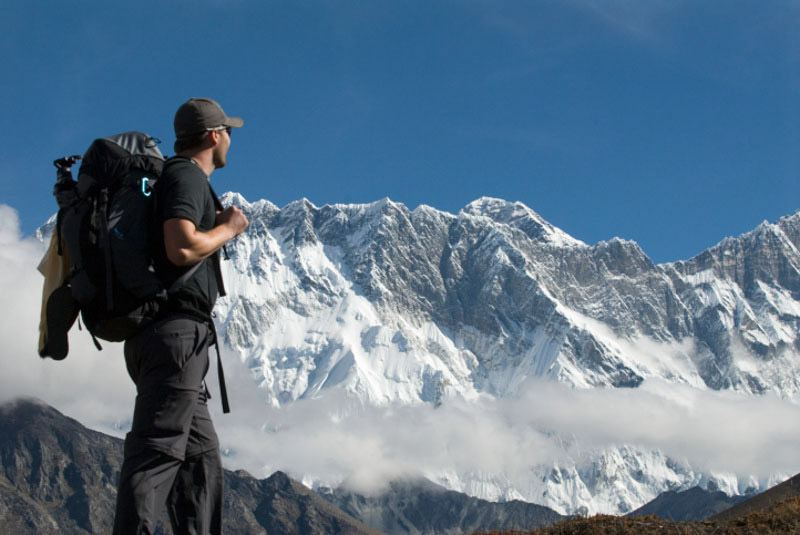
234	219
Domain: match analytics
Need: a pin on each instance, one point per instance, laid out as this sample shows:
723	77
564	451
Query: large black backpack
106	229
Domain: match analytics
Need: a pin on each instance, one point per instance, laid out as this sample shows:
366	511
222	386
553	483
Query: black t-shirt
184	192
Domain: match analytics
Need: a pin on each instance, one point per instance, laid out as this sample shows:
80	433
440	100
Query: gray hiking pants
172	452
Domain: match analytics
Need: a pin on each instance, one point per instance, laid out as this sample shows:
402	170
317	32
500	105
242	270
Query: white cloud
713	430
332	439
89	385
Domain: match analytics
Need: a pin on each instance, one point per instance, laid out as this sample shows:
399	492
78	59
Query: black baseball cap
197	115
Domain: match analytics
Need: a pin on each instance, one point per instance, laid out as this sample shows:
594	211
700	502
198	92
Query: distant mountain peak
518	215
233	198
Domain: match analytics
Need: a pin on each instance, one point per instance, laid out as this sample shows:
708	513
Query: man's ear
213	138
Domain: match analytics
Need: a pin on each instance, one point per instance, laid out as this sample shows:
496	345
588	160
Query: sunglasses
220	128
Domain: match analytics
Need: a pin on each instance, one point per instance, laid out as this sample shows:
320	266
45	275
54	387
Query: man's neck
202	159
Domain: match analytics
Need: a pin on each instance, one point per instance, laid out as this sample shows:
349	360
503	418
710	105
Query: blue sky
674	124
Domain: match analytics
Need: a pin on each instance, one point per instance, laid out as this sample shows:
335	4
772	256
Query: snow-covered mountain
393	306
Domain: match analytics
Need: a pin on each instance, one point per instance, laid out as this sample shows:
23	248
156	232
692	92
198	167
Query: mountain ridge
399	306
429	266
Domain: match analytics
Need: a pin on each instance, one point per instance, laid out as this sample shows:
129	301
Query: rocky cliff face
56	476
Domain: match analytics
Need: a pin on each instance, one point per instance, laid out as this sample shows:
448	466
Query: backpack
104	267
105	226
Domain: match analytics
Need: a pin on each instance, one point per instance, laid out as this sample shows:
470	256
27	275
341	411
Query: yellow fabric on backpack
55	268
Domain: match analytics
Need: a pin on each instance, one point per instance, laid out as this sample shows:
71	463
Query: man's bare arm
186	245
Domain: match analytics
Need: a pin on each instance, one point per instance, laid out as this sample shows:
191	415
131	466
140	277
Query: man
172	453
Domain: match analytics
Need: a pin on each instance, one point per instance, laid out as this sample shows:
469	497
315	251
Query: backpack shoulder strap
215	256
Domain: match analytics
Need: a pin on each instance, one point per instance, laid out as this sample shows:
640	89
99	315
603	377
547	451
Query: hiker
172	452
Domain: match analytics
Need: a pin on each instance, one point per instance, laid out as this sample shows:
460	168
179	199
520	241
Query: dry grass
783	517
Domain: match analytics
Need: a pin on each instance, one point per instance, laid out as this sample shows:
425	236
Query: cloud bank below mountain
331	439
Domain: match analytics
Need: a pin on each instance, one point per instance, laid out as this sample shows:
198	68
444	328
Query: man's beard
218	159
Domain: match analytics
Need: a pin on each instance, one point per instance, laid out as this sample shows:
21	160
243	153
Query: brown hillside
781	518
788	489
